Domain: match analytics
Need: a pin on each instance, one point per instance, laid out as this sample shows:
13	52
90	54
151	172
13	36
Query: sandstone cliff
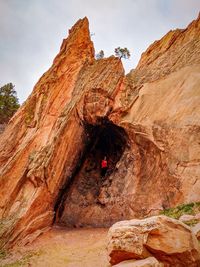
147	123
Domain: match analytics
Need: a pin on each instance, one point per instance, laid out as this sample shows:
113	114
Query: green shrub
180	210
24	261
3	254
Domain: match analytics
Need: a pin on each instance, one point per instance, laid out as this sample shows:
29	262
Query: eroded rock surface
196	230
147	123
168	240
148	262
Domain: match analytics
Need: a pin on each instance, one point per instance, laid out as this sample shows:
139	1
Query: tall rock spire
47	136
78	44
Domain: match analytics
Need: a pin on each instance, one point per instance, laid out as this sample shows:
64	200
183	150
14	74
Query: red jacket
104	163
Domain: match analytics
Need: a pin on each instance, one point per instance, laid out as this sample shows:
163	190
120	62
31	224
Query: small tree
8	102
122	52
100	55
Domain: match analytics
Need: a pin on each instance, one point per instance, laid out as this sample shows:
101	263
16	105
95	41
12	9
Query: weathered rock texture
147	123
2	128
148	262
168	240
196	230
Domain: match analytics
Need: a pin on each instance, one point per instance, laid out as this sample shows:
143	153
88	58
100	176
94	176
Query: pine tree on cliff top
8	102
122	52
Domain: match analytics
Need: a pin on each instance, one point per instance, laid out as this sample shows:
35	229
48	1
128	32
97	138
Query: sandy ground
67	247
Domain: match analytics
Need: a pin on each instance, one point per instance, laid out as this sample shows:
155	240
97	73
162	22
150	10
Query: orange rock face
81	109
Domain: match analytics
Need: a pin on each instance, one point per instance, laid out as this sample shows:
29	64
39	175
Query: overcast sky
31	31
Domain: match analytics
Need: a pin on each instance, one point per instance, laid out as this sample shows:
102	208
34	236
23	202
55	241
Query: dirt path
61	247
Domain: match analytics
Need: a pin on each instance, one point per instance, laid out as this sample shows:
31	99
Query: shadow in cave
105	139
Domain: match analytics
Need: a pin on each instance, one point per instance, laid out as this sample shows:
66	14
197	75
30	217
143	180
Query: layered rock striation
147	123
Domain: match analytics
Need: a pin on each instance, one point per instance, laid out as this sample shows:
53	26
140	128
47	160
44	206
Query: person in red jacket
104	167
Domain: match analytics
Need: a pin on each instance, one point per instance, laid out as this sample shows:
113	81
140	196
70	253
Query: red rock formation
147	123
36	137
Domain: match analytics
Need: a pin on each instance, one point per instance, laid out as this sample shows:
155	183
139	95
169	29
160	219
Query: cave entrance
105	139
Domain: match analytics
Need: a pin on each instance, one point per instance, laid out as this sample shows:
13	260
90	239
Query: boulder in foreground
196	230
148	262
168	240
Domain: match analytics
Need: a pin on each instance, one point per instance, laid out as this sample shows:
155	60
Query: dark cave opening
108	140
104	139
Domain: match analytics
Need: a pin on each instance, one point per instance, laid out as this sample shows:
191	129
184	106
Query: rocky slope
81	109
